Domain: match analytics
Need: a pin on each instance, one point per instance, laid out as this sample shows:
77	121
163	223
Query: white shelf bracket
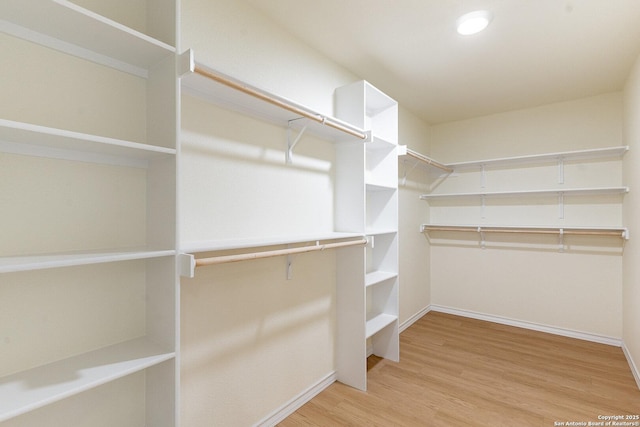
292	144
482	214
187	265
482	242
561	240
407	171
483	177
561	170
561	205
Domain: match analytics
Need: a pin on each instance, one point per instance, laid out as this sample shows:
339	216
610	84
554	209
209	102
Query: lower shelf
25	391
621	232
378	323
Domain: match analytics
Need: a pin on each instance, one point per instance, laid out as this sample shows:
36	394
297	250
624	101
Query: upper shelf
35	140
597	153
202	81
65	26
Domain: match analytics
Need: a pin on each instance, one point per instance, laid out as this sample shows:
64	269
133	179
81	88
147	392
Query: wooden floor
456	371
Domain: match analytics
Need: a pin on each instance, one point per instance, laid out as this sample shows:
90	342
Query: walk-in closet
252	213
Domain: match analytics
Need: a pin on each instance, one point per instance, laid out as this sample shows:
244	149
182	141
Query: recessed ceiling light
473	22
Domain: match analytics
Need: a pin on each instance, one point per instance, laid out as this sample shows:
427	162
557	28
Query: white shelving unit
204	82
560	158
368	200
88	265
365	204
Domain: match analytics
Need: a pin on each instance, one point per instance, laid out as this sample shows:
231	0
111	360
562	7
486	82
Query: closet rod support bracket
186	63
187	265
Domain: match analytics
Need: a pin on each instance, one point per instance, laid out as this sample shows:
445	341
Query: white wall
415	289
528	279
631	287
251	340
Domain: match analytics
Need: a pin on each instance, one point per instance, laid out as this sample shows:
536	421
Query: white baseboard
413	319
294	404
634	368
617	342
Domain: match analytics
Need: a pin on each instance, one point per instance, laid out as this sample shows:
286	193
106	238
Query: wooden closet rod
429	161
527	230
267	254
278	102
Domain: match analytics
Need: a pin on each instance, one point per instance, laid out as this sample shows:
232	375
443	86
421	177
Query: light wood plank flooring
456	371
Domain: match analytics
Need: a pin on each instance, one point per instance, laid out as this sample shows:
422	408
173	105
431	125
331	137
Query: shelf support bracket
483	207
560	170
483	177
482	242
561	240
561	205
292	144
407	171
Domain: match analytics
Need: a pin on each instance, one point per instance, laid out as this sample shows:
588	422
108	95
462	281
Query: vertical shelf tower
367	202
88	282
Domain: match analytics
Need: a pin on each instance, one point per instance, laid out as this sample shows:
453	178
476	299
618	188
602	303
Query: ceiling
534	52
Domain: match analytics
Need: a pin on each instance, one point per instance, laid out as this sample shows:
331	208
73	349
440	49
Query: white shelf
381	232
378	143
376	277
229	244
35	140
231	98
373	187
548	192
65	26
25	391
378	323
598	153
40	262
